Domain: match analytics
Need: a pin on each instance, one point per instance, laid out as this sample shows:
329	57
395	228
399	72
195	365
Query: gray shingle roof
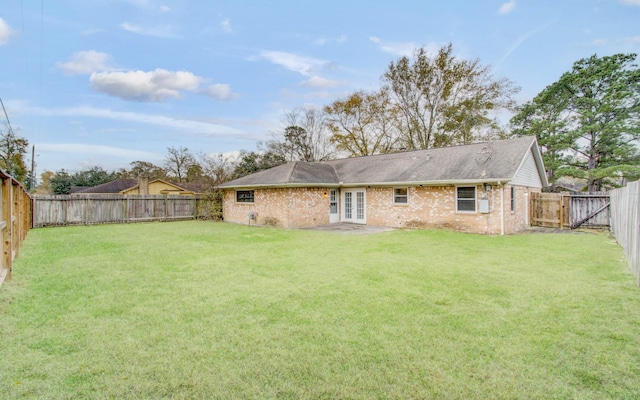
111	187
481	162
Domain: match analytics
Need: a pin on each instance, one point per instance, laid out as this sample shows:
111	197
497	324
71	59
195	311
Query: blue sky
108	82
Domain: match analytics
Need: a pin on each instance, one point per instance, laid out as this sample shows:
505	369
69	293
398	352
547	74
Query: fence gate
557	210
589	210
548	210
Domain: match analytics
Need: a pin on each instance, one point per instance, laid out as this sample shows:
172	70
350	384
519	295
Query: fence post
6	231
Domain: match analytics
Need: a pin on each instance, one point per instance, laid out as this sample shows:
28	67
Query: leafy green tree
588	122
364	123
251	162
61	182
444	100
12	151
92	176
45	182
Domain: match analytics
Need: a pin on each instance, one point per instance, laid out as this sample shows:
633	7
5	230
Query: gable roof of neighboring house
498	161
111	187
125	184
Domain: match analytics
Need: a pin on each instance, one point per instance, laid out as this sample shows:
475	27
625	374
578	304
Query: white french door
354	206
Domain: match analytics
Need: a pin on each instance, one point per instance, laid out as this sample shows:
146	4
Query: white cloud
318	82
507	7
633	39
599	42
183	125
302	65
5	32
630	2
220	92
85	62
226	25
153	86
159	31
165	9
321	41
397	48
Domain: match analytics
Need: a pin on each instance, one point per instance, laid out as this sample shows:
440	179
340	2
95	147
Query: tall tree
364	123
12	151
305	137
445	100
588	122
178	161
92	176
62	181
216	167
45	182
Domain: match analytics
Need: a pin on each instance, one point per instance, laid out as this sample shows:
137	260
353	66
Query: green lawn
190	310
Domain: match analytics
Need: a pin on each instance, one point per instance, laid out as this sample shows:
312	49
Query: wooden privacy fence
15	204
625	223
60	210
557	210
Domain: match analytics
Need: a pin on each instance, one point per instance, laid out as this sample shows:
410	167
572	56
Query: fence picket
103	209
625	223
15	206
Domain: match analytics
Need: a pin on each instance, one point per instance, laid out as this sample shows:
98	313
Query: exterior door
334	215
354	206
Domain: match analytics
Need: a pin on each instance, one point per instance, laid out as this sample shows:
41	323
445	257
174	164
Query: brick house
479	188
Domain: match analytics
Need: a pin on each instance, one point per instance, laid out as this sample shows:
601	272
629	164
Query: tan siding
158	187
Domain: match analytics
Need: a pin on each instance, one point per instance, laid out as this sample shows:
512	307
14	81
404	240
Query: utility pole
32	183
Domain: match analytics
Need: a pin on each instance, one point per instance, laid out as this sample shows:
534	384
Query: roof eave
377	184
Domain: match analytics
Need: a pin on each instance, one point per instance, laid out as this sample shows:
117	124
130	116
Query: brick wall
428	207
286	208
518	219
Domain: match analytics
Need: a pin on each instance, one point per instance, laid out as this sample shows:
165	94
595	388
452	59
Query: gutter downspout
501	208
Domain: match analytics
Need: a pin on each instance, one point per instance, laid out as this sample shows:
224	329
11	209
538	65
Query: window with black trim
244	196
513	199
466	198
400	195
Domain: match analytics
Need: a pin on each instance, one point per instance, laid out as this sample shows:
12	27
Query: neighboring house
481	188
139	187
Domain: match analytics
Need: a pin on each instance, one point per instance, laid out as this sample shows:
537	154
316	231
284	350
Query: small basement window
466	198
244	196
400	195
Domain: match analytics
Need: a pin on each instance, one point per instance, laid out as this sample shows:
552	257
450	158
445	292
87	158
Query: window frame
473	200
513	199
396	196
252	196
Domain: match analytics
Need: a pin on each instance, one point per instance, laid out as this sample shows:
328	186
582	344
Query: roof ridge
290	174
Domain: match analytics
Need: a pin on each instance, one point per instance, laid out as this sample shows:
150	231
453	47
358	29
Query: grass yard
192	309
